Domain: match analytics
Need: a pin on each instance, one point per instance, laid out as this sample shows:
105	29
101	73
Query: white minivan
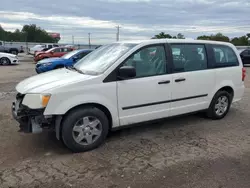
130	82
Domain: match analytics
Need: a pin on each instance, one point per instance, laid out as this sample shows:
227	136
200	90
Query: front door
147	96
192	80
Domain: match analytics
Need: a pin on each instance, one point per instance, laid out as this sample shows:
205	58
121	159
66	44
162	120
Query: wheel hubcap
87	130
4	61
221	105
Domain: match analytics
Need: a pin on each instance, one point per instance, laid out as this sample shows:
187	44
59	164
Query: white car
39	47
123	83
8	59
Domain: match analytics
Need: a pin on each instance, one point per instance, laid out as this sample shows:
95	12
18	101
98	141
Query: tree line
29	33
237	41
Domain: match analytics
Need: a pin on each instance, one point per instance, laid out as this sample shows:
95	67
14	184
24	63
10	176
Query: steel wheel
87	130
4	61
221	105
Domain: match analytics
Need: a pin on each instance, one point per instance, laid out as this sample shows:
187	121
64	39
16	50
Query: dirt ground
184	152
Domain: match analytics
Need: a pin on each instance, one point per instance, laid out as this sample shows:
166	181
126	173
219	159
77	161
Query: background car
53	52
245	56
13	49
8	59
68	59
43	47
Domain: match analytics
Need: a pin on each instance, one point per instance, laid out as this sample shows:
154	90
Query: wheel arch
228	89
59	119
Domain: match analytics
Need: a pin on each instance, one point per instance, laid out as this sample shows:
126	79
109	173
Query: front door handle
180	80
164	82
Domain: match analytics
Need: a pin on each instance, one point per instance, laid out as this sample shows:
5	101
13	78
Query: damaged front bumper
30	120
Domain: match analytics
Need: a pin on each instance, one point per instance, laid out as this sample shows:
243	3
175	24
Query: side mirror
126	72
51	52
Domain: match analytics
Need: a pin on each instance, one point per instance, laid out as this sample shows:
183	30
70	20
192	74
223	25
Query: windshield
102	58
70	54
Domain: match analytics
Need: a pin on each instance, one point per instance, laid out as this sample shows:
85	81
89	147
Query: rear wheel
15	52
84	129
5	61
220	105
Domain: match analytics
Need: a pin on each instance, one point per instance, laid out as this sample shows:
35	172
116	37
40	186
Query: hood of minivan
46	81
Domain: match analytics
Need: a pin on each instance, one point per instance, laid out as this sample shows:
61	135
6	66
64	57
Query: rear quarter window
224	56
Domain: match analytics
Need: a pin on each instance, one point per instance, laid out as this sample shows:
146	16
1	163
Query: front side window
103	57
224	55
149	61
189	57
58	50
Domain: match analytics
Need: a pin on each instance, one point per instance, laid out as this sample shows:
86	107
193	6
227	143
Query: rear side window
67	49
224	56
189	57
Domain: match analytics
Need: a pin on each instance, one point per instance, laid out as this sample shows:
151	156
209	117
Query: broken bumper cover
30	120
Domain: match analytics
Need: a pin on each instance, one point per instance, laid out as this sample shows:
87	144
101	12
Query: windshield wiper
73	68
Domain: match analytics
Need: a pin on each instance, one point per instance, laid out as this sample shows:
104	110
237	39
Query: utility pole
89	41
73	42
118	33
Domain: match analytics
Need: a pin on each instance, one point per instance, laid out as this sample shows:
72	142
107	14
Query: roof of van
153	41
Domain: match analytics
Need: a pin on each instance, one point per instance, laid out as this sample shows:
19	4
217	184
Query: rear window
224	56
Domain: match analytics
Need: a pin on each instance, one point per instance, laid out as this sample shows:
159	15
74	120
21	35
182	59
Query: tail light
243	73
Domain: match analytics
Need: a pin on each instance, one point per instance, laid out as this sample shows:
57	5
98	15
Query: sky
138	19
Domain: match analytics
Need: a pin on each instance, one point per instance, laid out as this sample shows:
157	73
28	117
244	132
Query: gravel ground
188	151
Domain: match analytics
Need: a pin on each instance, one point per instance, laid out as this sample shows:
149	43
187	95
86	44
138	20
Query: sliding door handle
180	80
164	82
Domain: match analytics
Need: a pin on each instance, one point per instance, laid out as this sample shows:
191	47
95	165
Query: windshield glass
102	58
70	54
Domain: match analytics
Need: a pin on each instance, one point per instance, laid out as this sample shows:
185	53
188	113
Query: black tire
5	61
15	52
73	117
211	112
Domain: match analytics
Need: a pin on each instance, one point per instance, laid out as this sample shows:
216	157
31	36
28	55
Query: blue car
68	59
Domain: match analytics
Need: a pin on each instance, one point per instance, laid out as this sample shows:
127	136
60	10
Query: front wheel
5	61
84	129
220	105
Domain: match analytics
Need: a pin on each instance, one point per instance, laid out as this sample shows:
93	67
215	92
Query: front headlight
36	101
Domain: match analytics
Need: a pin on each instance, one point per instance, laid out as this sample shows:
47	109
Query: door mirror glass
126	72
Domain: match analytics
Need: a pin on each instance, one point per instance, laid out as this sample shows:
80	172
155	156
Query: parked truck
9	48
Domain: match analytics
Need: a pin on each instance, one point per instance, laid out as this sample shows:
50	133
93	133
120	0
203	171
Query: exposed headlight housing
36	101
